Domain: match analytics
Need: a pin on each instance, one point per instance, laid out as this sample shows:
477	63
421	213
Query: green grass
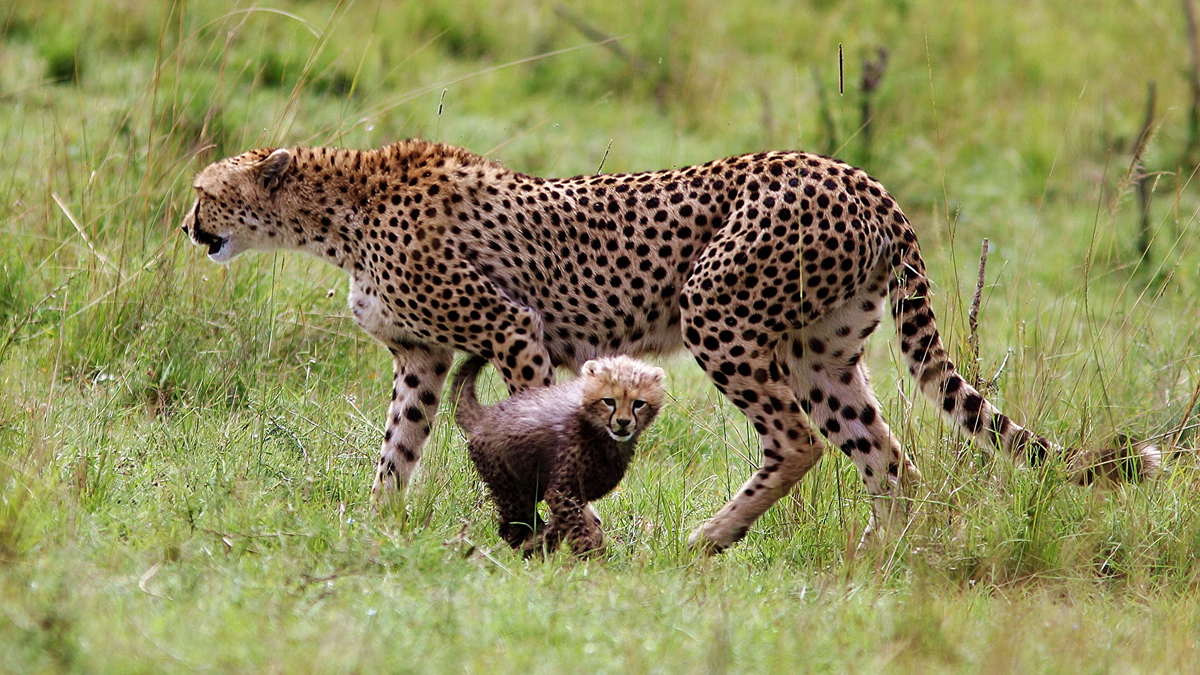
186	449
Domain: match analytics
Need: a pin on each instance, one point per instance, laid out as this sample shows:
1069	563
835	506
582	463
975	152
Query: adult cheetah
772	269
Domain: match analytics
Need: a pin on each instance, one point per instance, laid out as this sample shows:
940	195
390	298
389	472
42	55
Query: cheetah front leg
735	342
751	377
419	375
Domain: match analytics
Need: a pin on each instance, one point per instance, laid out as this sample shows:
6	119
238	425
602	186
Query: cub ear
589	369
658	374
272	169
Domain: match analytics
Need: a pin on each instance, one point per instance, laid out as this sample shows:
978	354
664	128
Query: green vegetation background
186	449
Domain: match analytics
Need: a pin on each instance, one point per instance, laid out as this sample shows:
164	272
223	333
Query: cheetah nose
622	424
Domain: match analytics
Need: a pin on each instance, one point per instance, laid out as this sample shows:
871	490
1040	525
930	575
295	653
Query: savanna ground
186	449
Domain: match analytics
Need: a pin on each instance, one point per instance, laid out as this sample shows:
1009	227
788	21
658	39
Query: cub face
622	394
236	204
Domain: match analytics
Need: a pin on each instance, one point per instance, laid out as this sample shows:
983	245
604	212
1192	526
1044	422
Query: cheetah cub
568	445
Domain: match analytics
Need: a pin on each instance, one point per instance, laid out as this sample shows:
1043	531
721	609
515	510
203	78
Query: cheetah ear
272	169
658	374
589	369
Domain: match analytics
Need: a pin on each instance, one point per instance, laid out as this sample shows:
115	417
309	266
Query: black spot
953	384
972	403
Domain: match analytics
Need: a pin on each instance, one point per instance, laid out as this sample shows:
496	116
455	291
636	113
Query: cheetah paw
710	538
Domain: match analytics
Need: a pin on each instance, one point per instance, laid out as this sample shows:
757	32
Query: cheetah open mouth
219	248
212	241
620	438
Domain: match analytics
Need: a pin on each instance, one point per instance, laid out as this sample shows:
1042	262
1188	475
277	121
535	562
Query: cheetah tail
935	373
468	411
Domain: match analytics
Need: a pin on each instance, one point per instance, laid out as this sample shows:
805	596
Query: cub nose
622	423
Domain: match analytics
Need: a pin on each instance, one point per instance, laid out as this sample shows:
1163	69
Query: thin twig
995	379
396	102
872	75
768	114
1193	142
591	32
604	158
1183	422
1140	175
596	35
973	315
831	140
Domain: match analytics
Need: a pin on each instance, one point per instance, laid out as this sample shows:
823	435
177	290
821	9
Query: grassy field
186	449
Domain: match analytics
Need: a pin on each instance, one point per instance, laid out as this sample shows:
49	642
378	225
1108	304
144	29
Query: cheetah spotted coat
772	269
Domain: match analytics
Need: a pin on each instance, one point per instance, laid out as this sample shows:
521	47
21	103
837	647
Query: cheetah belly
373	315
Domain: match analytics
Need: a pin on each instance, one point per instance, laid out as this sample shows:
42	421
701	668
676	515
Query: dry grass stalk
973	316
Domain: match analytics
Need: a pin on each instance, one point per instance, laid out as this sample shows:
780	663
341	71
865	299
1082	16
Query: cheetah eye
609	402
639	404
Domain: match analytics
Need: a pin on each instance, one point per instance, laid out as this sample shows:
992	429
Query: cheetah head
622	395
236	205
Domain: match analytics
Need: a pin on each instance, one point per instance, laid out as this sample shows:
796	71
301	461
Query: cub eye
609	402
639	404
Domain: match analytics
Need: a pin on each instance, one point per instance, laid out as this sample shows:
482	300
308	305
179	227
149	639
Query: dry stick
973	316
618	50
1183	422
604	159
1193	142
1140	176
872	75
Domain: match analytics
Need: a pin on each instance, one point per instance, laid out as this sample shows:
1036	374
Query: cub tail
468	410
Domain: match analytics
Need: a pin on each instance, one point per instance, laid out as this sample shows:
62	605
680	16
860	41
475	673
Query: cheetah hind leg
825	369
